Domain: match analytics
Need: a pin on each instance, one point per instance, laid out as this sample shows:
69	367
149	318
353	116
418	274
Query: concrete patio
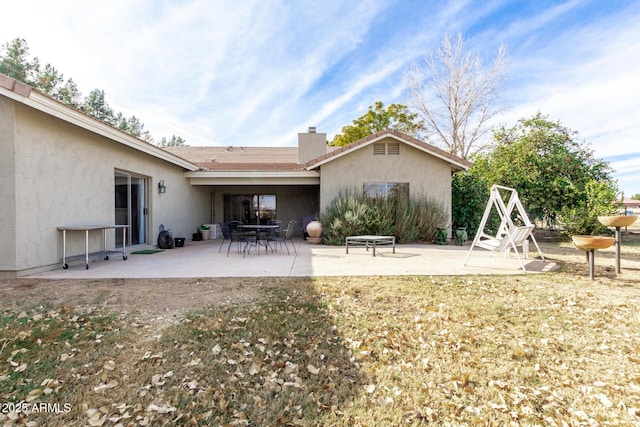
202	259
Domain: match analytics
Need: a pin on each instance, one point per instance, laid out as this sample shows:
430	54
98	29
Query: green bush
469	197
601	199
410	220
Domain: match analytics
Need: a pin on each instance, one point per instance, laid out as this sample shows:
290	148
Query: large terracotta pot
314	230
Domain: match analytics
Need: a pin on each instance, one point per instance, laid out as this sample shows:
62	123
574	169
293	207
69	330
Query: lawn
536	349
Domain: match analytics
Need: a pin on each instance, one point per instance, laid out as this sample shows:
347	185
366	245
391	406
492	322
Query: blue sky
258	72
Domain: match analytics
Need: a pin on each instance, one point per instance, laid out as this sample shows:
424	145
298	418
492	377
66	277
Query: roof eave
316	163
47	105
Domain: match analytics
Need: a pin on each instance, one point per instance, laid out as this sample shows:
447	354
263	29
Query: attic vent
379	149
393	148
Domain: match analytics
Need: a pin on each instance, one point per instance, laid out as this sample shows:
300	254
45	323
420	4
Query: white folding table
86	229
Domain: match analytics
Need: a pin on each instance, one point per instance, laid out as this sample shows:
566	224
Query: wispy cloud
257	73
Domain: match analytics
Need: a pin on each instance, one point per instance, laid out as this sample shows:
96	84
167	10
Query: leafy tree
456	95
546	163
396	116
469	197
601	199
175	141
635	196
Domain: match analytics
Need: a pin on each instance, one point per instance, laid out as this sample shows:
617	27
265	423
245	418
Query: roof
285	159
27	95
457	163
240	158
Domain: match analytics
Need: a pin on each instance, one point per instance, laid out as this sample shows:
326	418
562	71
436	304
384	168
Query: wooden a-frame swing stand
509	235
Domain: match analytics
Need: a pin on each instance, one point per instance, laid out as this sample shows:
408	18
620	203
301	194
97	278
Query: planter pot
179	241
441	236
206	234
314	230
461	236
197	237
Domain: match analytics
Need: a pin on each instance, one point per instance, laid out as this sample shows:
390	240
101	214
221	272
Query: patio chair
226	233
288	235
233	225
239	237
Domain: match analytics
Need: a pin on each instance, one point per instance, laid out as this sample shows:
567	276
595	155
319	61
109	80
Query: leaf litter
550	349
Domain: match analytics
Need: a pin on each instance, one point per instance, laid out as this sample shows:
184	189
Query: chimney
311	145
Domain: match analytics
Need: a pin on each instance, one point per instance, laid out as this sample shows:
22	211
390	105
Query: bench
371	241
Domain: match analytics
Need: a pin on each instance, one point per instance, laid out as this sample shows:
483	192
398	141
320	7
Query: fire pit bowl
588	243
617	220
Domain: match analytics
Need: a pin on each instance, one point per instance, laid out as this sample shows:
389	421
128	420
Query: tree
601	199
396	116
546	163
49	80
635	196
69	94
96	106
455	95
14	61
175	141
132	125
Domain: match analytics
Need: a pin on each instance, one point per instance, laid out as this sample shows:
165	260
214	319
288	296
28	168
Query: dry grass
543	349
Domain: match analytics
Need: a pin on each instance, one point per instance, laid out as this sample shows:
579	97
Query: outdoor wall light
161	187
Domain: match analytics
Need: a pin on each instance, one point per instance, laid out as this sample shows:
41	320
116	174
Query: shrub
601	199
469	197
409	219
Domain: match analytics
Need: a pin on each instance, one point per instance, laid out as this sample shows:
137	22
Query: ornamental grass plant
408	219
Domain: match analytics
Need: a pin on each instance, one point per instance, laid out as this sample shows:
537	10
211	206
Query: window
386	190
250	208
388	148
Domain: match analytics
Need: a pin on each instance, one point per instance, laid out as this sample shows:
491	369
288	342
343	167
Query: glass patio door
131	207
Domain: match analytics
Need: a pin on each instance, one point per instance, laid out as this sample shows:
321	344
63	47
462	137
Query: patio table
86	229
371	241
260	228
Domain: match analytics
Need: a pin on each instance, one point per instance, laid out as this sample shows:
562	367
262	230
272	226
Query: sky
258	72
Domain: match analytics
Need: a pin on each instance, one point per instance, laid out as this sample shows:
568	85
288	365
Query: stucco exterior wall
7	184
426	174
64	175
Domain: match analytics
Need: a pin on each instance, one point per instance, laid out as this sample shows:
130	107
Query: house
60	167
631	206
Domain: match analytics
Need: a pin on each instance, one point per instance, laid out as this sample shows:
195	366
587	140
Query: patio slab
203	259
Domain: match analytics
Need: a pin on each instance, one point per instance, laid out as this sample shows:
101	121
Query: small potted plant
205	230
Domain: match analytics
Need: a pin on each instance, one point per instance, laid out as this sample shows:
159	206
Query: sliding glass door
250	209
131	207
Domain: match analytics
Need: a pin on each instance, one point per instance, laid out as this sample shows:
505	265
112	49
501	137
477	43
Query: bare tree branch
455	95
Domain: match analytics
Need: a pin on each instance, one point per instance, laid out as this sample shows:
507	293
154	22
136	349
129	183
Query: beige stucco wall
427	175
64	175
7	183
